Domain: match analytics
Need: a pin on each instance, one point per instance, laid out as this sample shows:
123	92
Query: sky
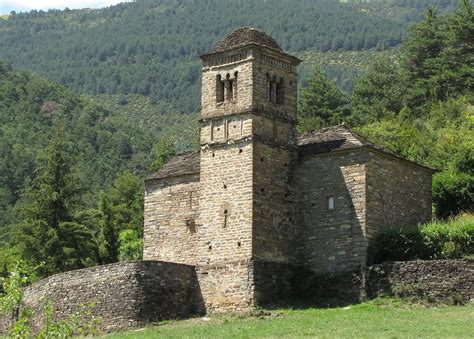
6	6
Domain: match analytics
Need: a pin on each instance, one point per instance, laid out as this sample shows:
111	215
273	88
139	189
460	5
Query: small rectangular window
330	202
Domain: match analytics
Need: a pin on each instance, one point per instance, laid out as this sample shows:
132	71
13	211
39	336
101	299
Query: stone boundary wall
121	295
6	321
139	293
450	281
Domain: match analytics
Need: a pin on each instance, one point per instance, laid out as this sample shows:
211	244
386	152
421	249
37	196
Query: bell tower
248	119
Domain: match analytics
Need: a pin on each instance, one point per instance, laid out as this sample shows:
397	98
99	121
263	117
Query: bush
453	239
453	192
394	245
131	246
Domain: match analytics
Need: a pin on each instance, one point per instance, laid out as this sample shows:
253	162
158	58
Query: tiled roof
182	164
338	138
331	139
246	36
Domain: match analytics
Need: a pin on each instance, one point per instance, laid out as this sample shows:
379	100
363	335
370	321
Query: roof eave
206	55
162	177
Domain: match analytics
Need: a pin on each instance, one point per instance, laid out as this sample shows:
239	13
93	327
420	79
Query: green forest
92	100
152	47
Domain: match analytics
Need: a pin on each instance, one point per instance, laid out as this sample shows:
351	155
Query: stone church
259	203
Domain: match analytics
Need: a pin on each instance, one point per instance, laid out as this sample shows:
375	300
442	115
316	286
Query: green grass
380	318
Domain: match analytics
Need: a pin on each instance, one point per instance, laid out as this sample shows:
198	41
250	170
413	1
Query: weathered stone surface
398	193
245	36
171	231
249	211
6	322
332	240
122	294
449	281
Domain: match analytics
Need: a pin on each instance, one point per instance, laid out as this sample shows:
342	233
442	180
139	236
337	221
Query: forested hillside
151	47
104	137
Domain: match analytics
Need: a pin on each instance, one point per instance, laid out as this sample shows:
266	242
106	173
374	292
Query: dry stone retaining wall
122	295
139	293
433	280
6	321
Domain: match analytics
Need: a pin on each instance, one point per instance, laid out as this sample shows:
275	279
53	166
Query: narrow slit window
219	89
234	86
225	218
280	92
330	202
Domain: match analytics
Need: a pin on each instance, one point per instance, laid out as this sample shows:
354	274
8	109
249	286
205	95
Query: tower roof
246	36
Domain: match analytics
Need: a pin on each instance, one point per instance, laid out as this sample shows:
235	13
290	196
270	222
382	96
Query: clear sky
6	6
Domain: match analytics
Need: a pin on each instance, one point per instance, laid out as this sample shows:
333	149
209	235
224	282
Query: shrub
453	192
453	239
395	244
131	245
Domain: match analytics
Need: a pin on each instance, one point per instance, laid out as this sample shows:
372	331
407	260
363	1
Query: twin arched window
226	89
276	89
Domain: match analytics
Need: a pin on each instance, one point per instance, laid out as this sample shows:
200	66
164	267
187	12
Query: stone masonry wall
6	322
273	216
228	286
171	230
123	294
231	62
225	219
449	281
398	193
268	64
332	240
230	128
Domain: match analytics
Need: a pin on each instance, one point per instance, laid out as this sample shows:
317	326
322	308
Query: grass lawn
380	318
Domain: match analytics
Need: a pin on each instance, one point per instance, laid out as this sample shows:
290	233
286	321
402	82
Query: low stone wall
121	295
131	294
6	321
449	281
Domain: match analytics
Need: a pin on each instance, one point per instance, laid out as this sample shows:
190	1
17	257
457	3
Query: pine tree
420	59
378	93
49	235
121	210
321	103
457	76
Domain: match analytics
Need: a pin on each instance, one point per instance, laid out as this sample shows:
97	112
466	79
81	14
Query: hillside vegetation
151	47
48	131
